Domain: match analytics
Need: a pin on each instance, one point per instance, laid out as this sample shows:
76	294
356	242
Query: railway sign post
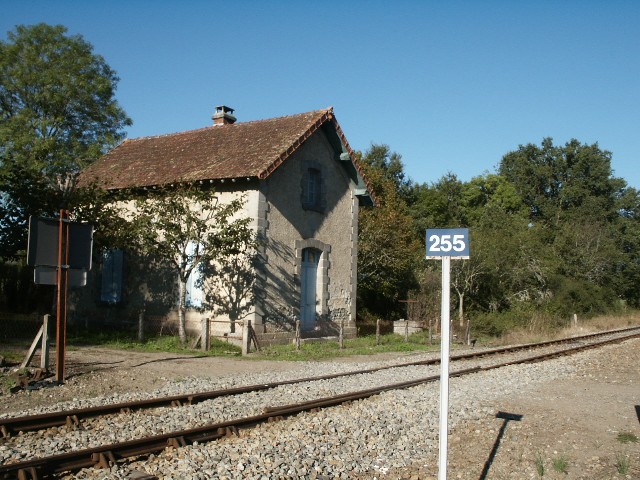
60	252
445	244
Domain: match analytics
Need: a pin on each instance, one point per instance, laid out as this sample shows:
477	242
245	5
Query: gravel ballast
391	435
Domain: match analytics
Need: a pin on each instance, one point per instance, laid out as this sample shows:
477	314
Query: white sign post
445	244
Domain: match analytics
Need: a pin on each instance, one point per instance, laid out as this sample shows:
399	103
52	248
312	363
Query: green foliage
439	205
126	340
555	181
560	464
389	166
363	345
498	323
539	462
57	115
387	247
573	295
627	437
622	463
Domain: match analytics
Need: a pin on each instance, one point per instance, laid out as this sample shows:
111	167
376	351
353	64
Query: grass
540	328
560	464
160	343
539	462
622	463
627	437
12	357
364	345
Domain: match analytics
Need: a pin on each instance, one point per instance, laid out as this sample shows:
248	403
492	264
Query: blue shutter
112	269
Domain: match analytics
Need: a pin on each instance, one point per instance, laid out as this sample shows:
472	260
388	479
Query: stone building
302	186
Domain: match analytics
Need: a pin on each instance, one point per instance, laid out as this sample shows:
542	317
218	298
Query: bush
498	323
573	295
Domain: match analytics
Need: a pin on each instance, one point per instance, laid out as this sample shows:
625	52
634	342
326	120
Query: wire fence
20	329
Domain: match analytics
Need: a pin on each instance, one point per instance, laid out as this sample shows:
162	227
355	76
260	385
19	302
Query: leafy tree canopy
554	181
57	115
387	246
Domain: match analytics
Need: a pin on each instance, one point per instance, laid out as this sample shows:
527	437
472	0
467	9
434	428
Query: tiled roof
246	149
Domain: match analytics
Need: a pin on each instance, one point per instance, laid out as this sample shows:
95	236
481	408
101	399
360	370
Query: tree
439	205
387	246
555	181
57	115
229	284
188	227
390	167
580	213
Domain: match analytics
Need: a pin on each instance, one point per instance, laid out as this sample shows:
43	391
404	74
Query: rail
10	426
107	455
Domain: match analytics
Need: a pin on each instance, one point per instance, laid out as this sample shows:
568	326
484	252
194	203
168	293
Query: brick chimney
223	116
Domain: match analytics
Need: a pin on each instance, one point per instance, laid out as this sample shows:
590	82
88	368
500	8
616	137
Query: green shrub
498	323
571	295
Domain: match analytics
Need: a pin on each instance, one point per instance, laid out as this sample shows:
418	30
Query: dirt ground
573	422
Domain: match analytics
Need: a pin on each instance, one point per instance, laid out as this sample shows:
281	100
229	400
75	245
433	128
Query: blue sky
452	85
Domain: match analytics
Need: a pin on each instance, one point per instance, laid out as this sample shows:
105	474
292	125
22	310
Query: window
312	191
313	187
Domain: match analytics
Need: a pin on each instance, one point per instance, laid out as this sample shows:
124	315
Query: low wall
407	326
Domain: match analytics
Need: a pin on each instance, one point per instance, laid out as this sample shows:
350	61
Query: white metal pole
444	368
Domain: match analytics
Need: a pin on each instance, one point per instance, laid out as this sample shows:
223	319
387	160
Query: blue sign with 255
448	242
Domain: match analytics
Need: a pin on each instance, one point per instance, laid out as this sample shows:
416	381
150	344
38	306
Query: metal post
444	369
61	307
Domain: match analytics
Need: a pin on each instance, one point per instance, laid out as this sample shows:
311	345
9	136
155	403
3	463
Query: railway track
106	455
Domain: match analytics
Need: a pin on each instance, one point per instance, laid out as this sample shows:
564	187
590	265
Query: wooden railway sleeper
231	431
72	421
29	473
103	459
176	442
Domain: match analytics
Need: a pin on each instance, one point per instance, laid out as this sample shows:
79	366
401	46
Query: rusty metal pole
61	304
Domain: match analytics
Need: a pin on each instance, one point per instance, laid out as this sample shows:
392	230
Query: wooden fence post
206	338
430	330
44	347
378	331
297	334
246	337
141	325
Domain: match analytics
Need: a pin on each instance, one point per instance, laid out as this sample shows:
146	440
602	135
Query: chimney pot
223	116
